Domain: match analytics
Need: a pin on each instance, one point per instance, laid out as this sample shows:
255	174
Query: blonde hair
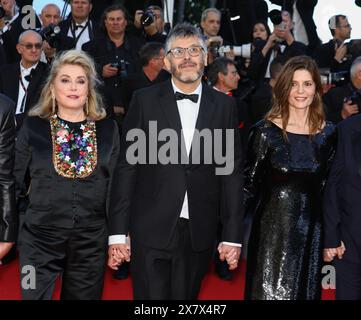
95	107
280	108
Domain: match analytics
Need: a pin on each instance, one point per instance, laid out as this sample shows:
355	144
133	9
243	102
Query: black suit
342	203
65	26
65	224
9	85
153	195
8	217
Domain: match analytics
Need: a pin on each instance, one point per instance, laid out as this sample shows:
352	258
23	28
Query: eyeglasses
29	46
180	52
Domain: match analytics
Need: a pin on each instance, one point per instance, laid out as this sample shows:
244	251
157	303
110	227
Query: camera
358	3
147	18
277	20
334	78
2	12
50	35
121	66
243	51
355	97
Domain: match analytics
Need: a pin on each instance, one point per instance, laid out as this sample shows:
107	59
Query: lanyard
73	29
25	88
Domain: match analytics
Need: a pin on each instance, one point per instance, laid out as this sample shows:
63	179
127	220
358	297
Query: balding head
50	14
29	47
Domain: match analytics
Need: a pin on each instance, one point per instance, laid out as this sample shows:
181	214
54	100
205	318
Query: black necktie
191	97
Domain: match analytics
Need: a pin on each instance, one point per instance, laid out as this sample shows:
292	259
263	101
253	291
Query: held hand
229	253
348	109
137	16
117	254
5	248
109	71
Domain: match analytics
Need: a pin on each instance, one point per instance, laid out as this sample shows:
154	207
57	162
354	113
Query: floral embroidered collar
67	142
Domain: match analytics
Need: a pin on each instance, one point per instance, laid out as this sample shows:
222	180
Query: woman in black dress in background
289	155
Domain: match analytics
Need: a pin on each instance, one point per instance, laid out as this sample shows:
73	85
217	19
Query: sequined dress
283	186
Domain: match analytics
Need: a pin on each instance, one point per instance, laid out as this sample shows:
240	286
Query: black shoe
221	268
122	272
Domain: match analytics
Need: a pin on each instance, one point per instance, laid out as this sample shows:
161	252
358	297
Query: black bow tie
191	97
79	26
30	75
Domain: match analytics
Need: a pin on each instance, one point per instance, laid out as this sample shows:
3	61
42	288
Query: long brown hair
282	89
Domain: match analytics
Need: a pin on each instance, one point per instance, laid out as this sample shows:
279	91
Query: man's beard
189	77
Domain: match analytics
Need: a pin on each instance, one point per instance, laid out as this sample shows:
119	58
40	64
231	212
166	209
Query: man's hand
348	109
330	253
229	253
109	71
137	16
48	51
117	254
5	248
340	52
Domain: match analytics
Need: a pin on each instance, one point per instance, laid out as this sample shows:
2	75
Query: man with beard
171	209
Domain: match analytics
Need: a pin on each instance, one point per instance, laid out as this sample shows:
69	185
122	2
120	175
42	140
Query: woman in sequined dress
289	156
71	153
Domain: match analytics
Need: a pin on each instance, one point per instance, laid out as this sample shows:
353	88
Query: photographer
345	101
53	40
150	24
116	55
280	43
335	54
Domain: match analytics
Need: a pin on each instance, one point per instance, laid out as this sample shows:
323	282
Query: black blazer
9	83
152	194
8	217
64	202
65	26
342	200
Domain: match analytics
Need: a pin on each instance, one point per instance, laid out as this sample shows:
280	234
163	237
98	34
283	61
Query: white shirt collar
27	71
82	24
198	90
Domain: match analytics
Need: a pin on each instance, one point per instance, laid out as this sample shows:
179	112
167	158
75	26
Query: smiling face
186	69
70	88
303	90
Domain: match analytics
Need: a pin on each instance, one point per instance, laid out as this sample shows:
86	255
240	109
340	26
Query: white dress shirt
85	35
22	94
299	30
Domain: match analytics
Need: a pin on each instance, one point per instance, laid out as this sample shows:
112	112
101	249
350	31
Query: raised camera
147	18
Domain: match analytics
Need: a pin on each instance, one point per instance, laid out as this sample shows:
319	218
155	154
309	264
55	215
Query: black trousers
348	280
78	255
175	273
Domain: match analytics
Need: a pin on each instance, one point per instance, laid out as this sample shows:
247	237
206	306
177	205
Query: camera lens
147	19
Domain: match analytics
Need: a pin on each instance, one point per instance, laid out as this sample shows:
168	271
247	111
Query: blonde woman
289	156
70	152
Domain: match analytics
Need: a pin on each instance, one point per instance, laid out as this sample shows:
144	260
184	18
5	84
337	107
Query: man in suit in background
342	218
8	217
171	211
78	25
22	81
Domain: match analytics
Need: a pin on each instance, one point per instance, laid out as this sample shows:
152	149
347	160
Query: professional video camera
147	18
121	66
51	35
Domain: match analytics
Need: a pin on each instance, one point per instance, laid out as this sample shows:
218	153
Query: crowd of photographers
126	42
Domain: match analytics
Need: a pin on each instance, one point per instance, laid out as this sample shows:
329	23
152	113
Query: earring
87	107
53	104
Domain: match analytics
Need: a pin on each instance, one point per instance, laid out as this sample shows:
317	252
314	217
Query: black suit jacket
9	84
8	217
64	202
64	25
153	194
342	201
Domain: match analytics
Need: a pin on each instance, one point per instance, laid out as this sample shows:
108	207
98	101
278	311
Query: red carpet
212	289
